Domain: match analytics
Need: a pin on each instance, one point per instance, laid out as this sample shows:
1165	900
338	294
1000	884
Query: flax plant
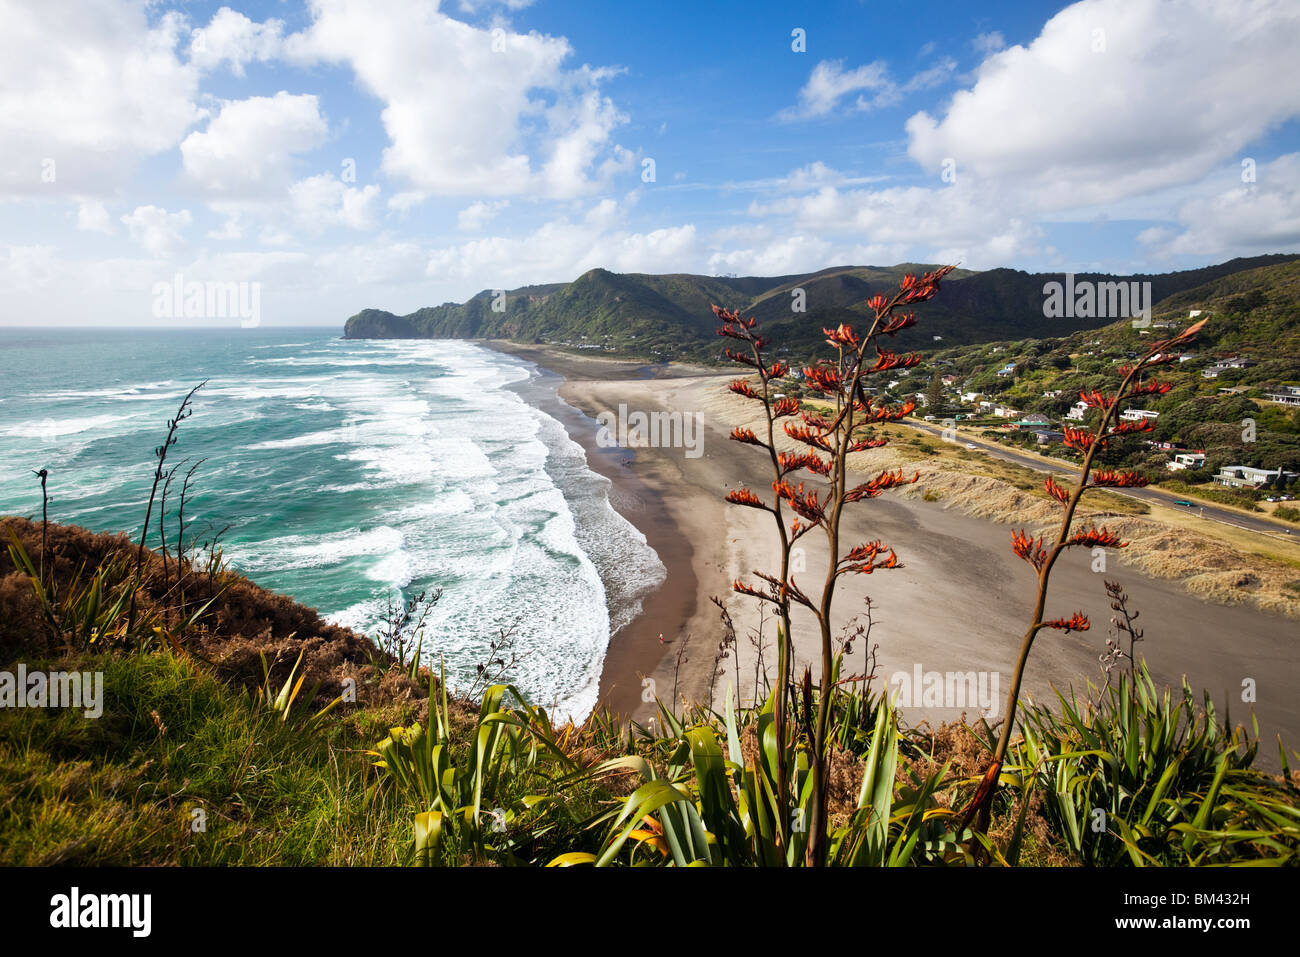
1043	558
830	438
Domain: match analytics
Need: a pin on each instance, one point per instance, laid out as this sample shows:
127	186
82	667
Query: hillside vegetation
667	316
1253	315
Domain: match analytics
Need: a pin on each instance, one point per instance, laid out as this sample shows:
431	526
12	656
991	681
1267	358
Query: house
1008	369
1289	395
949	380
1243	476
1052	394
1138	415
1078	412
1186	460
1048	436
1189	356
969	397
1032	422
1223	365
1005	412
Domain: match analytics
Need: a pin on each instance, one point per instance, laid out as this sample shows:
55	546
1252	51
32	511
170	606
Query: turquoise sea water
349	473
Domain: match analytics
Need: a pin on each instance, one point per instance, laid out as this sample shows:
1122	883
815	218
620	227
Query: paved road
1039	463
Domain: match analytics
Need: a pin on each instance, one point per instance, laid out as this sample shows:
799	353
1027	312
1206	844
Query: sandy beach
959	603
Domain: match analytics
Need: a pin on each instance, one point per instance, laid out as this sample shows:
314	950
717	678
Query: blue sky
345	153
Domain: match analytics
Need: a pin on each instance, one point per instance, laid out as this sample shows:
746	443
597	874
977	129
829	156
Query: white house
1223	365
1077	412
1186	460
1243	476
1290	395
1138	415
1005	412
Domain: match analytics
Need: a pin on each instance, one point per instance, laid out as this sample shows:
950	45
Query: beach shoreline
959	602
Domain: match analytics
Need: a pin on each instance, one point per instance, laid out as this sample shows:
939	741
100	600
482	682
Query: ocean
349	474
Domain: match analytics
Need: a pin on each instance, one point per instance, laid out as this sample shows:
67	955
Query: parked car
1184	503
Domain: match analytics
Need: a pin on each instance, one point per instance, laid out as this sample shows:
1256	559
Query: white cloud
476	215
462	117
829	82
248	147
322	201
962	222
1258	217
233	38
159	232
991	42
27	268
93	87
92	217
1180	86
561	249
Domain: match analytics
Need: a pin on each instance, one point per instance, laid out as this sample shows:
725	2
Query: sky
344	154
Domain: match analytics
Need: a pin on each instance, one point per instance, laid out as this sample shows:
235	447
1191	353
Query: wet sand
959	603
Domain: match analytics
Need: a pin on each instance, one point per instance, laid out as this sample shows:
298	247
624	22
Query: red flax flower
881	483
1149	388
886	360
779	370
1093	399
1105	477
822	379
743	496
1057	492
804	503
1128	428
1029	549
1078	622
1096	537
747	436
740	357
794	461
897	324
741	387
1080	439
783	407
801	433
868	444
862	560
815	421
842	337
734	325
876	303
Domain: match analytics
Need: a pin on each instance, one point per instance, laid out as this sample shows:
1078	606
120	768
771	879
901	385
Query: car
971	445
1184	503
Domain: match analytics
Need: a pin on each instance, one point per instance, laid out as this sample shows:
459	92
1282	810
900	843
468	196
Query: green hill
1253	315
669	315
